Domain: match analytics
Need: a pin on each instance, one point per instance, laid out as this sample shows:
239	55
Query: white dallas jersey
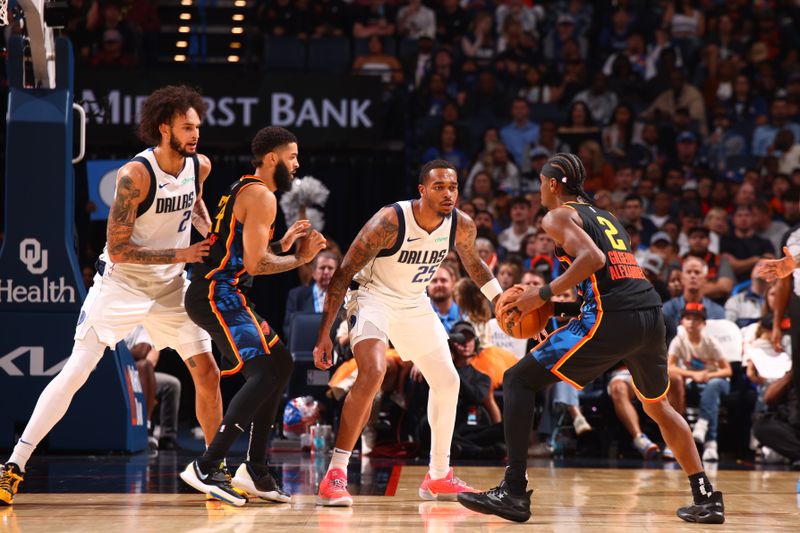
405	270
164	218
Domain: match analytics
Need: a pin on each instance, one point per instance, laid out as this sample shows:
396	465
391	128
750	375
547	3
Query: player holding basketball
240	236
140	277
387	270
620	319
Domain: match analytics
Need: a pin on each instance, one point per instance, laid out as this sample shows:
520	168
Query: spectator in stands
417	64
556	39
766	226
632	213
780	429
618	135
694	273
536	91
548	143
578	127
82	17
440	292
511	238
448	150
330	18
377	17
661	209
539	251
157	387
452	22
743	248
144	19
621	390
724	142
378	63
599	98
653	268
720	276
746	307
415	20
112	52
479	44
521	134
623	184
508	274
744	105
764	135
696	362
503	172
528	17
310	299
485	249
487	101
787	149
680	94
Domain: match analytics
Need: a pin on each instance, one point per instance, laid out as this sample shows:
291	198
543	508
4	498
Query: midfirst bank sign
320	109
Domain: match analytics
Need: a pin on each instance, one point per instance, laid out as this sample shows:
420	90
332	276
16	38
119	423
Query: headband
551	171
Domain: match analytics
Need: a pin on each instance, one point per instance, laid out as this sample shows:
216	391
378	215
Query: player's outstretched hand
195	252
771	269
295	231
323	353
310	246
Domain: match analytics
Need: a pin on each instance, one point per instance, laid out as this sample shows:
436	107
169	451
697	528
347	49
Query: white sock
440	373
340	460
57	395
21	454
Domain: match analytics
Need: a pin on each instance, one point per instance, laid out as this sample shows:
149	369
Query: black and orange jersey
225	261
620	284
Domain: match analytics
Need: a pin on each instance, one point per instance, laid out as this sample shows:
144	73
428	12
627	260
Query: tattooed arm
256	207
201	220
133	184
466	232
376	235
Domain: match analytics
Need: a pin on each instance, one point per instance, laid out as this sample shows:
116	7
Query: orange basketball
530	325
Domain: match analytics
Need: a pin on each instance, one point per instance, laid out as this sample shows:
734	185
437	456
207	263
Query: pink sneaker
333	490
446	489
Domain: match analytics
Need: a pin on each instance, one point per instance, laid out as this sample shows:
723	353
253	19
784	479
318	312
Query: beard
178	147
283	178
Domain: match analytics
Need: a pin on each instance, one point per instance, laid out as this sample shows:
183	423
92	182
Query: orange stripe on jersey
586	337
255	322
274	341
225	328
231	233
643	398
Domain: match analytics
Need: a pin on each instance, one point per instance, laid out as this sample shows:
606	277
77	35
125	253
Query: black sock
280	364
520	384
701	487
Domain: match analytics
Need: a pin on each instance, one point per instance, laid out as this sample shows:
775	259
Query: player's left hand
525	300
771	269
295	231
323	353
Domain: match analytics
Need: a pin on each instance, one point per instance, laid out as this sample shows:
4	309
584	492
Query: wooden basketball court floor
565	499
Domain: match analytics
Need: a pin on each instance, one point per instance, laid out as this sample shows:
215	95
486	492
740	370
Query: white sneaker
540	450
771	457
700	430
646	447
581	425
710	452
256	480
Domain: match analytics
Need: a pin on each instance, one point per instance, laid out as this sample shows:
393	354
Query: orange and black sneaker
10	478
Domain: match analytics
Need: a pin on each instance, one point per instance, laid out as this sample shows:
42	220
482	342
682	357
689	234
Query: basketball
530	325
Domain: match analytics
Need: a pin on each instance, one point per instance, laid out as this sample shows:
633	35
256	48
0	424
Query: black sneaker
256	480
710	512
499	501
215	482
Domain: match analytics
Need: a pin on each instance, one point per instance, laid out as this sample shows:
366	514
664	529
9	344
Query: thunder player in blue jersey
620	321
386	271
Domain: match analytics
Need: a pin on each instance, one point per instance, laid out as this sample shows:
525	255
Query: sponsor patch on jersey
440	239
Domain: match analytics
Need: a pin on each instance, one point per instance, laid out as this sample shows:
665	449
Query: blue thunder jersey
404	271
225	260
620	285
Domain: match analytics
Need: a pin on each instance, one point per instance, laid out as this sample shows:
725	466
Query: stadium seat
284	54
329	54
306	379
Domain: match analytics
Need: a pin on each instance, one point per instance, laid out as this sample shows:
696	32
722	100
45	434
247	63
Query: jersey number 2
424	274
611	232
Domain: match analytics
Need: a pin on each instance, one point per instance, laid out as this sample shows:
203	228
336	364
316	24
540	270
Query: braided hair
569	171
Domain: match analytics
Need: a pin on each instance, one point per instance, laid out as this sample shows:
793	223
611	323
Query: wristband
276	248
492	289
545	292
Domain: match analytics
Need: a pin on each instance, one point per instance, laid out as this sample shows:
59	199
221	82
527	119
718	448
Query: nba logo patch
82	317
352	321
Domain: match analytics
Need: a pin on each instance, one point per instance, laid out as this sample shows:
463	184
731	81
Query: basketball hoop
3	12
